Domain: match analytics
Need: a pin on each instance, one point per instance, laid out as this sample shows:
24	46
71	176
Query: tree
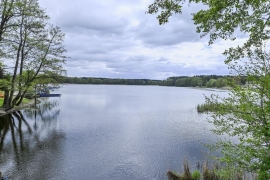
44	65
221	82
36	48
1	71
6	13
245	114
196	81
211	83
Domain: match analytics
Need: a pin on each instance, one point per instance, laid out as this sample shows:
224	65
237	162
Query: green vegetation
196	175
25	100
245	114
211	81
207	172
206	107
32	44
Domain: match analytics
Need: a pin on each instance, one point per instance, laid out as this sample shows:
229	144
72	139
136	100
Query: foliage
209	172
196	175
212	83
33	44
221	83
4	84
180	81
25	100
221	19
245	114
207	107
4	79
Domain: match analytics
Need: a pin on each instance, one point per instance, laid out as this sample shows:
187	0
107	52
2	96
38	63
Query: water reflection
30	141
110	132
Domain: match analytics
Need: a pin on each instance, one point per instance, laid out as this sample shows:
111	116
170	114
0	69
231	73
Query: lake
106	132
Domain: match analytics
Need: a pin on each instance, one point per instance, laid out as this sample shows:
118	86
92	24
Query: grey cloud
103	42
179	29
154	68
98	24
95	47
151	71
162	59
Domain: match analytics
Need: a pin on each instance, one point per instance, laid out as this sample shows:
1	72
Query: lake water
106	132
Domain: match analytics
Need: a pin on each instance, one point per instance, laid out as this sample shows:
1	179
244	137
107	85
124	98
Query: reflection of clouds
92	100
99	101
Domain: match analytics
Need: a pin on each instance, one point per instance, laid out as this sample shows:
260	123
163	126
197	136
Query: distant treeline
180	81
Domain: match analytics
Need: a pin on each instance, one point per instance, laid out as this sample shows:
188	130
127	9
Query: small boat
49	95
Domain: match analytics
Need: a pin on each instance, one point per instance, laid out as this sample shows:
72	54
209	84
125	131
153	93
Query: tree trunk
19	101
6	97
17	97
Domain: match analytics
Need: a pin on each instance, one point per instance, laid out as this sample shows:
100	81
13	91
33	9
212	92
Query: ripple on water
108	132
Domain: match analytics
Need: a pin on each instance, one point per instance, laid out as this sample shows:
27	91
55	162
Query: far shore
226	88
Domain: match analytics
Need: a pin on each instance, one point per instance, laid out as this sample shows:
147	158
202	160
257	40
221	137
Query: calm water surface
104	132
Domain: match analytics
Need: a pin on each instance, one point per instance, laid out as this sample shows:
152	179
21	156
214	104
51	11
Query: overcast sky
116	39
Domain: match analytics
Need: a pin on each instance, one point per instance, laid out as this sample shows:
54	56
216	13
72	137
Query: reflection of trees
46	110
26	136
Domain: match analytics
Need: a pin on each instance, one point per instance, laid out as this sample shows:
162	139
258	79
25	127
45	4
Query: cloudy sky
116	39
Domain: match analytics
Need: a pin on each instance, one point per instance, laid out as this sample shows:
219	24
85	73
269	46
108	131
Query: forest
179	81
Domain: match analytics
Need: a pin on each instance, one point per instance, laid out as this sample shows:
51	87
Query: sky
117	39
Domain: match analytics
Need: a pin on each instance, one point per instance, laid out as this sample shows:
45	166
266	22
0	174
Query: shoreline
16	108
213	89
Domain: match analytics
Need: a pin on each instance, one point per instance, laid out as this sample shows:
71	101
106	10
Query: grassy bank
206	107
25	100
210	172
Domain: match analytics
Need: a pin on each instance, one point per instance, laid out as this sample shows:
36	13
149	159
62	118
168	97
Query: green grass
25	100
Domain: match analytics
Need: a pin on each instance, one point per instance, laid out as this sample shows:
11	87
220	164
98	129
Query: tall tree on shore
35	46
42	62
245	114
